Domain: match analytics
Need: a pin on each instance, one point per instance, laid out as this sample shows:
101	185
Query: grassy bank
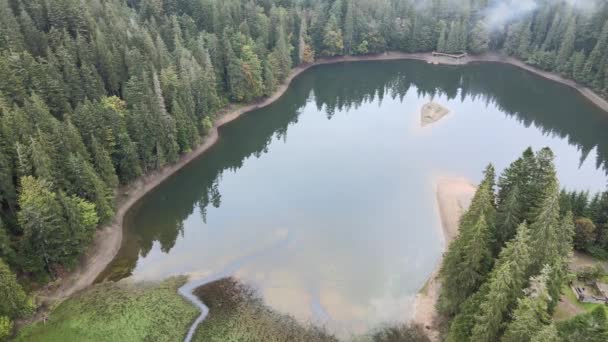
118	312
238	314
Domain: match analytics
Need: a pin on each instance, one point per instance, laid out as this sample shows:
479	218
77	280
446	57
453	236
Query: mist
501	12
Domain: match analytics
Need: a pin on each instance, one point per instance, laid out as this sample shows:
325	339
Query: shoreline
453	197
108	239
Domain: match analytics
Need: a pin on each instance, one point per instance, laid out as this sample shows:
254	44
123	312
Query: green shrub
6	327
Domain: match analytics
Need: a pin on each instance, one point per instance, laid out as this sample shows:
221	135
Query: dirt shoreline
454	196
108	239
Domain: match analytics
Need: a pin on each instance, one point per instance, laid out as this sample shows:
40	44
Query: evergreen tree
592	64
545	237
567	46
441	41
479	42
349	27
452	44
469	257
508	217
505	283
525	37
531	314
103	164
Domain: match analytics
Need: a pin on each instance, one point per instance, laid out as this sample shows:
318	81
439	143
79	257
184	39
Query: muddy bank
108	239
453	198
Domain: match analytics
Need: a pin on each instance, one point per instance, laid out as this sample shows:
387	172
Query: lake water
324	201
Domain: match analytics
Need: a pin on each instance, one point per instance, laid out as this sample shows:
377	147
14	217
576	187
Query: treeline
591	220
502	276
95	93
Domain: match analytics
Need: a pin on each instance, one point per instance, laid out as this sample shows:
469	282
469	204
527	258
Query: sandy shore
108	239
453	198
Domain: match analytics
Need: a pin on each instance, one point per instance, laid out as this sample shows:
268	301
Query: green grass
572	297
118	312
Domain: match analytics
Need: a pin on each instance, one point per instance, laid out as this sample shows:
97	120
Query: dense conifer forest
502	277
95	93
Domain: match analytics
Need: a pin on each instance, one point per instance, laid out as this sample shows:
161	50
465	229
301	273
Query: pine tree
84	182
567	46
578	65
349	28
505	283
441	40
80	219
592	64
545	237
187	134
279	58
508	217
525	37
103	164
531	314
479	42
469	257
8	194
126	159
452	43
464	321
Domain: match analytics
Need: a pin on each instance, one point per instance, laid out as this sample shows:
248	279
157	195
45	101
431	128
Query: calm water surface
324	201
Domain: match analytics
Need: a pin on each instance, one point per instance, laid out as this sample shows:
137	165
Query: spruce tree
441	40
103	164
531	314
505	284
469	257
479	42
545	236
452	44
508	217
567	45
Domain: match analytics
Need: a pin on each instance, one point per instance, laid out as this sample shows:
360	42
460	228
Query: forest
502	277
96	93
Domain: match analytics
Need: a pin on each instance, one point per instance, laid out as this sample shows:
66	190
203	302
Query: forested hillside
94	93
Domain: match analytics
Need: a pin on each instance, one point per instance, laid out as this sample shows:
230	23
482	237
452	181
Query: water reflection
348	179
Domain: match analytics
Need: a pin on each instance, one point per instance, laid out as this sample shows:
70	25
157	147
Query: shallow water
324	200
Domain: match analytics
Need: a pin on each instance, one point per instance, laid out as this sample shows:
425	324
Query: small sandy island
453	197
431	113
